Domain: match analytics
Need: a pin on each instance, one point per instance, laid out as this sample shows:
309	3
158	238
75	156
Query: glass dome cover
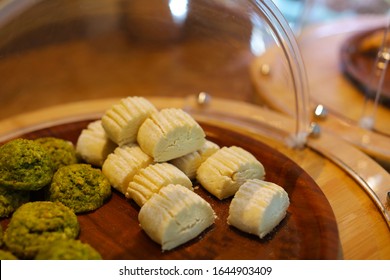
64	51
61	51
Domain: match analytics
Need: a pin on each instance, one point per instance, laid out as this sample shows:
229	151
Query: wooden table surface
328	85
84	73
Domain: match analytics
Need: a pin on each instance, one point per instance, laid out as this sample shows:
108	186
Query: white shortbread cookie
93	144
170	133
121	165
174	216
152	178
122	121
227	169
190	163
258	207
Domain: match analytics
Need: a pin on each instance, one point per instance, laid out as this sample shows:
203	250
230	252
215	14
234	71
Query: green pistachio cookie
35	224
62	152
80	187
10	200
69	249
5	255
24	165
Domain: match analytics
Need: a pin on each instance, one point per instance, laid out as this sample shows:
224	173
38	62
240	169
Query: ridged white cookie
170	133
152	178
258	207
175	216
190	163
93	144
122	121
121	165
227	169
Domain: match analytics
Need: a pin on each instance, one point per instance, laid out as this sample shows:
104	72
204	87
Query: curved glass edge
290	48
377	78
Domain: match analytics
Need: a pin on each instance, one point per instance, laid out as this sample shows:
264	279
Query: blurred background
61	51
301	13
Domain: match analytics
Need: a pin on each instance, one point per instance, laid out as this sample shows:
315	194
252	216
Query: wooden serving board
308	232
357	59
363	232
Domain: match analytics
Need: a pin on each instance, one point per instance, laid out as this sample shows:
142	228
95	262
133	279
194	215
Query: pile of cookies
43	185
153	157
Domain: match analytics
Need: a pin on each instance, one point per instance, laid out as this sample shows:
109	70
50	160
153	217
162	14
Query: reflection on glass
179	10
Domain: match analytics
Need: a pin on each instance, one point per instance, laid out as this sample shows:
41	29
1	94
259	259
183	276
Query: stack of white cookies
153	156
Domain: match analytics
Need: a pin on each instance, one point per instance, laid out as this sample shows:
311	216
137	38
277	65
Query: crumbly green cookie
62	152
35	224
10	200
24	165
5	255
68	249
80	187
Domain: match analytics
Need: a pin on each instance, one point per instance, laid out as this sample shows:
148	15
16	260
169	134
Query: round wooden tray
357	58
308	232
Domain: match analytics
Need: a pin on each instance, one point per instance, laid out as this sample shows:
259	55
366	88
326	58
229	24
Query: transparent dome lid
61	51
